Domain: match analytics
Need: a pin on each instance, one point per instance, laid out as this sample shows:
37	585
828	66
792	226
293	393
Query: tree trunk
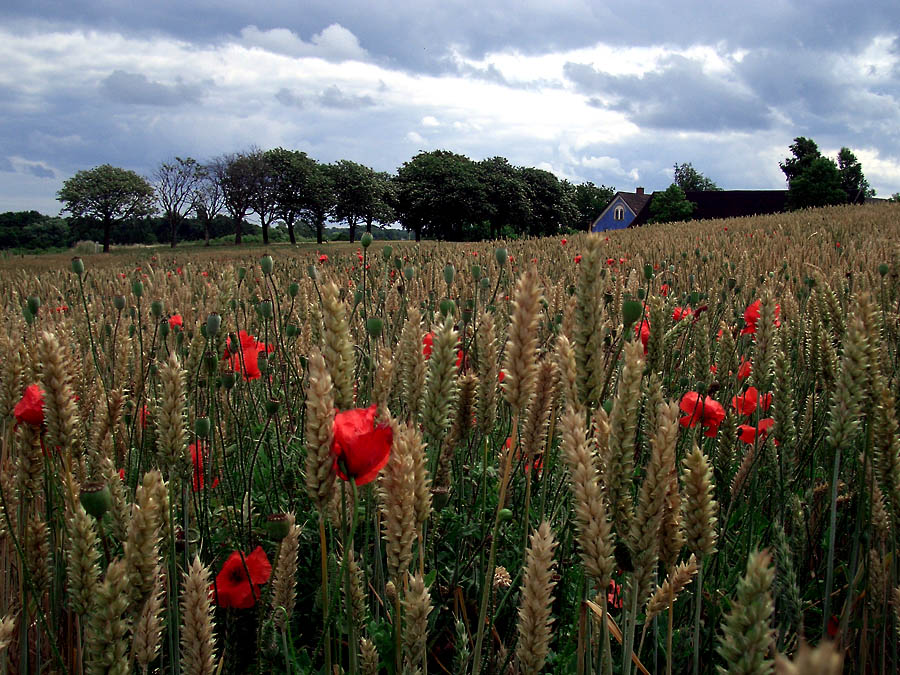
352	224
107	227
265	229
290	227
239	226
206	231
173	230
369	225
418	234
320	225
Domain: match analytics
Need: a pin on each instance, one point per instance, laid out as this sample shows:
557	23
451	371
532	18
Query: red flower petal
30	409
360	449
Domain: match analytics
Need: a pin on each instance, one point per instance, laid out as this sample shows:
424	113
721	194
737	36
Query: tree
440	195
382	209
109	194
818	185
208	198
317	198
670	205
552	203
237	177
176	185
291	170
590	200
506	192
355	193
691	180
853	182
804	151
263	199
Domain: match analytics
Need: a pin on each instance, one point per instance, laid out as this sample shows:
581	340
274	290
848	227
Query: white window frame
619	212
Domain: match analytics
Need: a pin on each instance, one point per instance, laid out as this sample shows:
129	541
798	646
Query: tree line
437	194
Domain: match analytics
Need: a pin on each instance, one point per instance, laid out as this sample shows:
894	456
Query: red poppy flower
664	290
122	474
744	369
751	317
142	416
323	258
563	242
610	261
642	329
577	259
204	273
680	313
237	585
501	376
745	404
614	594
176	320
360	448
247	359
536	465
199	454
428	344
30	409
748	433
703	410
714	369
622	260
765	401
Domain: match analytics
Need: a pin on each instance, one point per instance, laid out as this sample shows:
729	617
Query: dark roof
736	203
636	202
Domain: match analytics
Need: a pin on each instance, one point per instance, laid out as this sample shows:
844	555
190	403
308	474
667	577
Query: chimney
639	190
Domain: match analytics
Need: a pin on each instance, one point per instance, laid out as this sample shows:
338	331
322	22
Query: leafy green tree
382	209
818	185
440	195
355	193
508	205
238	178
804	151
176	185
263	199
590	200
317	198
853	182
292	170
670	205
109	194
552	203
691	180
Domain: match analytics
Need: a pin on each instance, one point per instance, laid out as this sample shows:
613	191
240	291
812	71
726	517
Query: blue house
622	211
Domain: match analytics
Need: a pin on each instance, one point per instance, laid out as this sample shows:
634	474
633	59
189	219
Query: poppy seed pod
34	304
278	525
374	326
476	272
267	264
213	323
409	272
366	240
449	273
265	309
501	256
631	312
156	308
201	427
137	288
293	289
290	330
883	269
241	273
78	266
386	252
119	302
96	499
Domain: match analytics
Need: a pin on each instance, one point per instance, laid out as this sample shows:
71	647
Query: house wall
606	220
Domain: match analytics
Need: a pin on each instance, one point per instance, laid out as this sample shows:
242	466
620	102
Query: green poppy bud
640	294
228	380
156	308
201	427
119	302
96	499
449	273
448	307
265	309
648	271
485	283
213	323
267	264
34	304
164	329
504	514
409	272
631	312
374	326
78	266
293	289
387	252
366	239
137	288
277	524
476	272
883	269
501	256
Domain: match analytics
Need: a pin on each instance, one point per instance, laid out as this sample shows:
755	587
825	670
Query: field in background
678	443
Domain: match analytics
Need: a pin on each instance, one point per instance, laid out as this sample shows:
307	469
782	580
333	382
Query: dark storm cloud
417	35
138	89
677	96
334	97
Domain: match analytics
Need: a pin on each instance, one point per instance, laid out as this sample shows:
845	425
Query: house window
619	213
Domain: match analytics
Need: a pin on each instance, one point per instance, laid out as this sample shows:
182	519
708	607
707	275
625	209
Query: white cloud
430	121
414	137
334	43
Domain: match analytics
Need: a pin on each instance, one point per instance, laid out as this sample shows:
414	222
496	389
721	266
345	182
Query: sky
612	92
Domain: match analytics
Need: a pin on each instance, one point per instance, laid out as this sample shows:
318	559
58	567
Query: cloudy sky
614	92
